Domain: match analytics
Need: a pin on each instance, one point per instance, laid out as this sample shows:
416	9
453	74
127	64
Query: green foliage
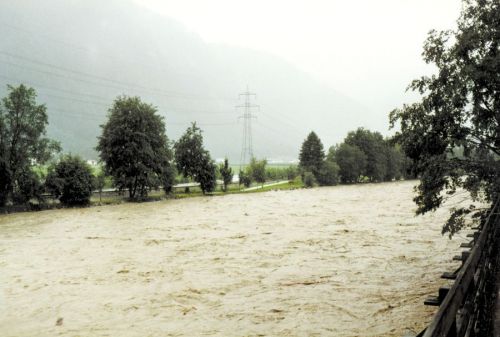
134	147
308	179
245	179
328	175
29	187
193	160
373	146
311	154
257	170
22	142
351	161
226	174
292	172
70	181
459	109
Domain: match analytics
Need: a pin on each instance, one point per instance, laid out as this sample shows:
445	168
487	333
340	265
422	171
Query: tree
308	179
99	182
373	146
226	173
193	160
134	147
351	161
257	170
311	154
22	141
328	175
459	107
70	181
245	179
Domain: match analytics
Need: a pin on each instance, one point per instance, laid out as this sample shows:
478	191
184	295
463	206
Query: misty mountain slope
80	55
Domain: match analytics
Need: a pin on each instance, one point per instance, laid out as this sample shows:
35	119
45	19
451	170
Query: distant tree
328	175
226	174
71	181
134	147
99	182
245	179
193	160
351	161
308	179
395	162
373	146
291	172
22	142
257	170
459	107
311	154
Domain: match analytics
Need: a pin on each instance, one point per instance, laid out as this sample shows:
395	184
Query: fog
324	66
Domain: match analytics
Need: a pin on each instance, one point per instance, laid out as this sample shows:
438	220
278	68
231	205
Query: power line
95	79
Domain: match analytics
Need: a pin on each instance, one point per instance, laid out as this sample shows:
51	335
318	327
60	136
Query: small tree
245	179
193	160
308	179
328	175
226	173
70	181
257	170
134	147
99	182
311	154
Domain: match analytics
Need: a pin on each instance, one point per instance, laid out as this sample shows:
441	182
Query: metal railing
466	308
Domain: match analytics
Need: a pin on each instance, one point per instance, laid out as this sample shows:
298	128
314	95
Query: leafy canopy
460	108
193	160
22	142
134	147
71	181
311	154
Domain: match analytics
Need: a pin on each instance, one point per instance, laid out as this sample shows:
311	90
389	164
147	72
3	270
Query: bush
29	187
308	179
245	179
328	174
70	181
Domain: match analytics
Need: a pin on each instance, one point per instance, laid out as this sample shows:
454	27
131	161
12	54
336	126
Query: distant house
92	162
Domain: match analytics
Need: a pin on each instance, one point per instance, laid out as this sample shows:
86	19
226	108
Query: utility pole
247	146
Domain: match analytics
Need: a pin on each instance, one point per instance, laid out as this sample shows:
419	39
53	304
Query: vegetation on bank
138	159
459	108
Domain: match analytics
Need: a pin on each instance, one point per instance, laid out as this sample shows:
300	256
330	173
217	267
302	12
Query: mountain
81	54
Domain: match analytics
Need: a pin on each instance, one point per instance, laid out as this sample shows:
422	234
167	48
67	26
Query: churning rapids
339	261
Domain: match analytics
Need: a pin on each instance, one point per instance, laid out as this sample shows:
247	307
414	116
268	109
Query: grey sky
366	49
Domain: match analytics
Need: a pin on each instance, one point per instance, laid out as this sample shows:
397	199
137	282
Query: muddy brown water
339	261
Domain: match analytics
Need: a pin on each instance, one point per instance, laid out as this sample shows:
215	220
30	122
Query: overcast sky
367	49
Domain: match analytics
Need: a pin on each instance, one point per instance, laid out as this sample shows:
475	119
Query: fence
466	308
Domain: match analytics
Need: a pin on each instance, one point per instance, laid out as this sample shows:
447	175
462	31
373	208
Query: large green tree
134	147
193	160
23	142
373	146
311	155
351	161
460	107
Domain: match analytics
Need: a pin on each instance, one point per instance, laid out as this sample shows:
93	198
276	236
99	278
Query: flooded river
339	261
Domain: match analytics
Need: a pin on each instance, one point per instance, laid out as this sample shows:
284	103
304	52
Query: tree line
363	156
133	148
137	154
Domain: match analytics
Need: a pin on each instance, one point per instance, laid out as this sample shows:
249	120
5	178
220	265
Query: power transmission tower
247	146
